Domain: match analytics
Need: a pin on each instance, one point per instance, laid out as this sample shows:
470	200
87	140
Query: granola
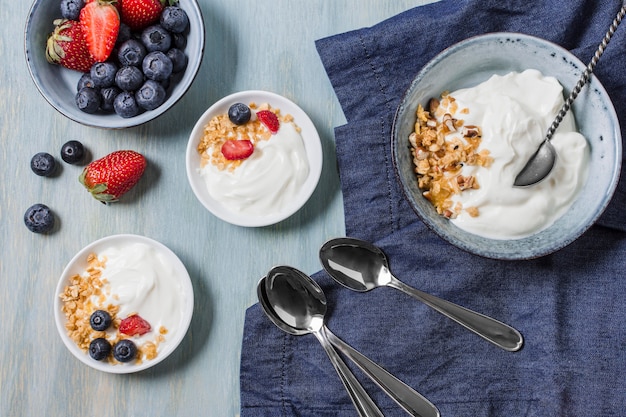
220	129
441	144
87	293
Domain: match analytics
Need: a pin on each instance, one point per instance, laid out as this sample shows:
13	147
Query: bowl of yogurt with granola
254	158
470	121
123	303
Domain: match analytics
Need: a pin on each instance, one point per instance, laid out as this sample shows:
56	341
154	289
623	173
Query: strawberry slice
134	325
269	119
100	23
234	149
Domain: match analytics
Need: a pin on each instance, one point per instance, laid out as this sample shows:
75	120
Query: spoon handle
586	74
490	329
410	400
364	405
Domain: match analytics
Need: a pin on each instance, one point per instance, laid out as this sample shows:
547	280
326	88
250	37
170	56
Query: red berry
108	178
269	119
100	23
66	46
134	325
138	14
237	149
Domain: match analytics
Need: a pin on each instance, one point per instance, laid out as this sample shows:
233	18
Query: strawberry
100	22
269	119
66	46
134	325
138	14
108	178
234	149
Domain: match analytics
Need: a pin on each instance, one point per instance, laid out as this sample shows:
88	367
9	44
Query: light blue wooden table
266	45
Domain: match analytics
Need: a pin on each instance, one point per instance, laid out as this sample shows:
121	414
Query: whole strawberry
138	14
110	177
66	46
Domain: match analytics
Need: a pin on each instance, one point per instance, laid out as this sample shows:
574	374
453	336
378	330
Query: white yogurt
141	281
514	112
265	182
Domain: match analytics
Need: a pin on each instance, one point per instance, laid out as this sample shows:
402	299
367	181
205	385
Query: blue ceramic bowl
58	85
473	61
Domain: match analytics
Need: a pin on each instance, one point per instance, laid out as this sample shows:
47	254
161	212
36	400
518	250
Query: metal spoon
413	402
361	266
301	305
541	163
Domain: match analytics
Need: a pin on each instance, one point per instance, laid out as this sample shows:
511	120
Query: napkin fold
569	305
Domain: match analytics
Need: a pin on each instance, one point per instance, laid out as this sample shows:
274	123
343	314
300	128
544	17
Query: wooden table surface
267	45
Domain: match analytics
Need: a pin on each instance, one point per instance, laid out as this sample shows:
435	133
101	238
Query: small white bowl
78	265
58	85
312	145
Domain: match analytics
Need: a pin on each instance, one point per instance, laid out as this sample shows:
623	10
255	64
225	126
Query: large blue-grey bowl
473	61
57	85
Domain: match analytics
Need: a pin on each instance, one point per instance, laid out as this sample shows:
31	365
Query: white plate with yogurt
270	185
129	274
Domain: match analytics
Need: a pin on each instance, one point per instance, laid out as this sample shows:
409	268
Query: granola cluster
220	129
78	304
441	144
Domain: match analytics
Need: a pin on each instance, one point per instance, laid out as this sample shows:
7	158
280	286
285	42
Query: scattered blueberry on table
43	164
38	218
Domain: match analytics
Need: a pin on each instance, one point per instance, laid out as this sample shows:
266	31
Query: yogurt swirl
515	111
265	182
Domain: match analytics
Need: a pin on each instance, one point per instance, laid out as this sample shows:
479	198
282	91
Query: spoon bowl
295	285
293	298
361	266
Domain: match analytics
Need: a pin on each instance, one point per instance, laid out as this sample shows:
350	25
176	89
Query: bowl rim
119	122
173	344
310	137
491	254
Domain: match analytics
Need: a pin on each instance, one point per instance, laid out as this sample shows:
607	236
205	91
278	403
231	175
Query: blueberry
157	66
129	78
73	152
131	52
108	97
179	40
99	348
174	19
39	218
100	320
124	350
125	105
70	9
156	38
43	164
151	95
88	100
239	113
179	59
123	34
85	81
103	74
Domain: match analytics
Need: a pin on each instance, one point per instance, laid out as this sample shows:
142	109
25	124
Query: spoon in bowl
541	163
361	266
411	401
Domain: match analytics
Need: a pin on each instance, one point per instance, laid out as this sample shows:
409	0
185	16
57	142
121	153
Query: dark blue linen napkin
569	305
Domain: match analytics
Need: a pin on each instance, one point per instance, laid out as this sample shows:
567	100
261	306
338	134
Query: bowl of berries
254	158
113	63
123	303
